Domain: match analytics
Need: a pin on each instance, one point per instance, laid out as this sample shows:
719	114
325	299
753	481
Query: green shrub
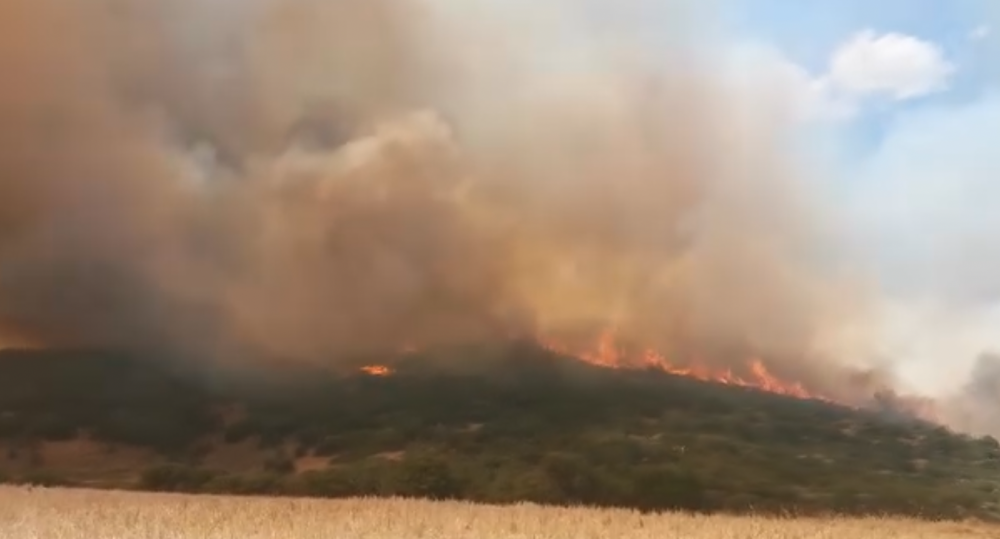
175	478
245	484
238	432
43	478
425	477
279	464
659	488
325	484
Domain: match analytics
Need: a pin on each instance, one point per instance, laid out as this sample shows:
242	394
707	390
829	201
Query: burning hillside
311	180
862	390
753	374
607	353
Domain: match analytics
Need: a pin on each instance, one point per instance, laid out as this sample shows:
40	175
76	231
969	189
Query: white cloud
899	65
866	66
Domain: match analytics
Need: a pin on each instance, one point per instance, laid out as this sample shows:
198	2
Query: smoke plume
306	180
973	408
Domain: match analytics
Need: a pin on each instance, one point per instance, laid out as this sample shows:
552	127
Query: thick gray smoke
305	179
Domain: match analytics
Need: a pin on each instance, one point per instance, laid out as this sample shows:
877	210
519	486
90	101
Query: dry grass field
72	514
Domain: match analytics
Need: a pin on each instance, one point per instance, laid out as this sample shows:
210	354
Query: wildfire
607	354
376	370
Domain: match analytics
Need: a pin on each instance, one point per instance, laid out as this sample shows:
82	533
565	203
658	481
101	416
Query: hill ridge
494	425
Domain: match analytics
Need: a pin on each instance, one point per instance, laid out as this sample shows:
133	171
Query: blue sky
808	32
810	29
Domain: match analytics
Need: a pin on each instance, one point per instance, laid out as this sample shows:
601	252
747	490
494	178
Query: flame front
606	353
376	370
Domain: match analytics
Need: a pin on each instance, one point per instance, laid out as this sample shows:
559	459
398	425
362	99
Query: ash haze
306	180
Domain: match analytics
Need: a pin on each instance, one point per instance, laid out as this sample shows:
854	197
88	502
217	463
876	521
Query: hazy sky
898	109
899	98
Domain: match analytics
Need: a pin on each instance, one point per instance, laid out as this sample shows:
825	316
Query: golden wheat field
84	514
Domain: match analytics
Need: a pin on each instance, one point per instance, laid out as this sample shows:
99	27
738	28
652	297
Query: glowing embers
377	370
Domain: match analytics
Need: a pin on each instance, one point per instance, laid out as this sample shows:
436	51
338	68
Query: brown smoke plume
305	179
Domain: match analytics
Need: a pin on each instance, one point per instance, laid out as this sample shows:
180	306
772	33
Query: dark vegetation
502	425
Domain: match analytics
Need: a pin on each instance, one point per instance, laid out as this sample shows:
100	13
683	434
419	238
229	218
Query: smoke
306	180
973	408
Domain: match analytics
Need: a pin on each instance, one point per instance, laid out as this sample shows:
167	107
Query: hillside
485	424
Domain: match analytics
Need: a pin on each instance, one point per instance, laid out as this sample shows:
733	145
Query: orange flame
376	370
607	354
